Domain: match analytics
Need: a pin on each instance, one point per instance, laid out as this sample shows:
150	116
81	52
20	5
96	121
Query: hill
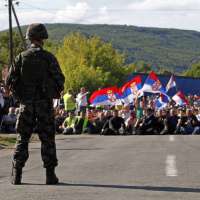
171	49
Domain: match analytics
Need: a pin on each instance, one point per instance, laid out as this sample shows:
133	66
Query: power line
31	6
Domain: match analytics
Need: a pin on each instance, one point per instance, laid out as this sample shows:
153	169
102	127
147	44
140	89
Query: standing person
69	101
81	100
35	78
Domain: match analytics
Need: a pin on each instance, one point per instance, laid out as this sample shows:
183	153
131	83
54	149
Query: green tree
89	62
51	46
138	67
4	47
194	71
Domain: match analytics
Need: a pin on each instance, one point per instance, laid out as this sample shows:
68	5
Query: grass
7	141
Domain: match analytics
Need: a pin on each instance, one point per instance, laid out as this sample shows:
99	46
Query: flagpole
175	81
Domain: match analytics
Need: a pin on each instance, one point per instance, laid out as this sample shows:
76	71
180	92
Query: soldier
35	78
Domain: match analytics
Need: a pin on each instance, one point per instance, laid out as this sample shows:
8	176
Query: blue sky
182	14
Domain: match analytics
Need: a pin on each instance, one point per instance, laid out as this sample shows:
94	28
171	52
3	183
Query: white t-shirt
81	99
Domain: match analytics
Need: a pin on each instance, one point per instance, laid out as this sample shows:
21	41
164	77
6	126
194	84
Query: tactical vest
35	82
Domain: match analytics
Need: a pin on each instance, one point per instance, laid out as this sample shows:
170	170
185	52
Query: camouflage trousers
37	115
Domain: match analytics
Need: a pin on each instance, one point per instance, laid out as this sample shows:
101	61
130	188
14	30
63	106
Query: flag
131	89
171	83
106	96
162	101
153	85
180	99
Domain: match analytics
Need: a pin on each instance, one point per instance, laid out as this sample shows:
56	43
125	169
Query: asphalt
111	168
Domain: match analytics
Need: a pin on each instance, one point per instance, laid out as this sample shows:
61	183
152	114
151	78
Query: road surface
111	168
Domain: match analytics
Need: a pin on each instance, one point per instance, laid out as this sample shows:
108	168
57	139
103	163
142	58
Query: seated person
171	122
115	123
160	117
107	116
130	123
162	122
78	126
83	124
68	124
9	121
148	124
198	114
59	119
99	122
88	124
189	124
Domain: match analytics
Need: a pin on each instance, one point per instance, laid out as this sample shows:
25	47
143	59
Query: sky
181	14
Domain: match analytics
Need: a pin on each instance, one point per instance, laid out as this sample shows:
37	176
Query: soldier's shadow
129	187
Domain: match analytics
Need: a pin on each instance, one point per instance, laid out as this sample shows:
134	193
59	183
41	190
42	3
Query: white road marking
171	169
171	138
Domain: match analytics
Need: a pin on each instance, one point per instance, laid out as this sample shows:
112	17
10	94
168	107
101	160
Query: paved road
112	168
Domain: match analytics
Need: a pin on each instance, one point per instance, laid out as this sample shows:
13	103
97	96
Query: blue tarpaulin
187	85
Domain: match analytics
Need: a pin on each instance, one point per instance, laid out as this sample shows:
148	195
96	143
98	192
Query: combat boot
16	176
51	178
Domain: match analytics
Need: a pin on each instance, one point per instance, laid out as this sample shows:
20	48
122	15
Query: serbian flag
180	99
131	89
107	96
171	84
153	85
162	101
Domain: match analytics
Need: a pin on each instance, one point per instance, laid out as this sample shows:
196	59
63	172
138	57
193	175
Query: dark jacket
35	75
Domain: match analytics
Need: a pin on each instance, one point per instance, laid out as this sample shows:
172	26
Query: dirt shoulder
7	141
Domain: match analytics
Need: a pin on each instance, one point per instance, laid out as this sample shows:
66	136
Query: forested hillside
169	49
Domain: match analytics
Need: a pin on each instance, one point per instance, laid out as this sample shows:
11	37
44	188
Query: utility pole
10	32
18	25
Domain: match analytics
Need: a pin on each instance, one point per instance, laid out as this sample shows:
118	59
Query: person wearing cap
35	79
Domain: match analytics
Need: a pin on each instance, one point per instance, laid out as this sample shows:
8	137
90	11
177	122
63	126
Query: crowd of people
9	109
74	115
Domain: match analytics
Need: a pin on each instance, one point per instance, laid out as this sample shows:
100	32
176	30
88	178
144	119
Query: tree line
89	61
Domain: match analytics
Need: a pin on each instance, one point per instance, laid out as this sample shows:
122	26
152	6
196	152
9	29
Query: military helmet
36	31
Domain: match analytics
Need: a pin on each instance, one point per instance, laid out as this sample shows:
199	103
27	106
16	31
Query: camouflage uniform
34	78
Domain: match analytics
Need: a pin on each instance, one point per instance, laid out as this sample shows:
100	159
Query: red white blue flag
131	90
153	85
180	99
171	84
162	101
107	96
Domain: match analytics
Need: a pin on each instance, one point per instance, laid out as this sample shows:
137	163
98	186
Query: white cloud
103	15
100	16
81	12
163	13
3	20
72	13
165	5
